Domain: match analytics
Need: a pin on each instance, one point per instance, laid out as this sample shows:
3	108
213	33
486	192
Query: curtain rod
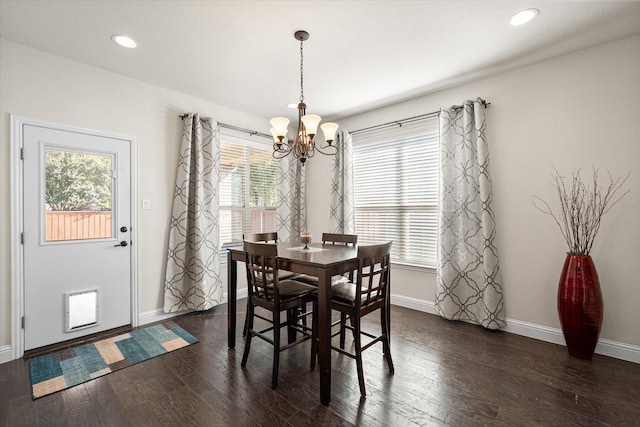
411	119
238	128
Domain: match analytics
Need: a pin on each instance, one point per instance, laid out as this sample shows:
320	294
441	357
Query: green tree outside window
78	181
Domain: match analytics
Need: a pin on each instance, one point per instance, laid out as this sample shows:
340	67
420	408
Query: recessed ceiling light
292	105
124	41
524	16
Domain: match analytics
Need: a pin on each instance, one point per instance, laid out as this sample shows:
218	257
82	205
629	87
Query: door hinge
22	238
22	322
22	154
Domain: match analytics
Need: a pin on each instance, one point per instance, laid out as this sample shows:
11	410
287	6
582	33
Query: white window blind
248	190
396	189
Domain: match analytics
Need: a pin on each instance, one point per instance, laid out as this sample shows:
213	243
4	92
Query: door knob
123	243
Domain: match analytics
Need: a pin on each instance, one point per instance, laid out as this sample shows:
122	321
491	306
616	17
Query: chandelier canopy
303	146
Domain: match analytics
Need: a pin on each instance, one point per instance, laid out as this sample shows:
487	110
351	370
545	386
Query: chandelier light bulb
276	139
279	126
329	130
311	122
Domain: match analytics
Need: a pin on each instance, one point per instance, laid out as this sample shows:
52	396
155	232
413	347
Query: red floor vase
580	305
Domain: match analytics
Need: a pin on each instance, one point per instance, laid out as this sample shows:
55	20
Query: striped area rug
75	365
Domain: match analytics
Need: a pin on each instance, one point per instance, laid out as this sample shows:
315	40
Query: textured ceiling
360	55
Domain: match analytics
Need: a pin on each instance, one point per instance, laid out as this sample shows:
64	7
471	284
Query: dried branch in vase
581	207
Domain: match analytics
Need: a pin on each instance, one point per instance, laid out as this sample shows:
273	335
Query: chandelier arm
332	150
284	148
311	149
280	153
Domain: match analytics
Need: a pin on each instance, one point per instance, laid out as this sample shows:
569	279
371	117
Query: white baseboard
619	350
6	355
158	315
242	293
414	303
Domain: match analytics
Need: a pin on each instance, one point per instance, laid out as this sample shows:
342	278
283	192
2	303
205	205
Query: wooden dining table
319	260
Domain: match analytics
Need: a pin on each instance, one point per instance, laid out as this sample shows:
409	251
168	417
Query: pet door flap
81	309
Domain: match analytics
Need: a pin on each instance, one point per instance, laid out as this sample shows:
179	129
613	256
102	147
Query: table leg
232	294
324	335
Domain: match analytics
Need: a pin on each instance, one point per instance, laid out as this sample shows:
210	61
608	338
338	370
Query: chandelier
303	146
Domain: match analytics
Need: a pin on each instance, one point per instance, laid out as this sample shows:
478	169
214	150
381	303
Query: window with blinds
248	190
396	189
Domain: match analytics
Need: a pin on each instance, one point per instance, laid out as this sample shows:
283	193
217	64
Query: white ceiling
360	54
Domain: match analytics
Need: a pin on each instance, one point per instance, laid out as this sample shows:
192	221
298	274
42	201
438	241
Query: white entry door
77	234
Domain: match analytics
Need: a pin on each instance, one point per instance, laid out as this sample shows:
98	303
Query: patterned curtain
292	203
193	279
468	282
341	213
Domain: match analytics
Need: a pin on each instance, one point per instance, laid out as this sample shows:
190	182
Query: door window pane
78	195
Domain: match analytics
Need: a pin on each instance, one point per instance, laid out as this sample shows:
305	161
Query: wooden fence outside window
77	225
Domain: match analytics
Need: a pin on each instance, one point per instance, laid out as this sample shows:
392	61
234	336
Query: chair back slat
262	274
373	273
336	238
269	237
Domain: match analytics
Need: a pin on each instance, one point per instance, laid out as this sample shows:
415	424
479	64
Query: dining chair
268	237
369	292
332	239
266	290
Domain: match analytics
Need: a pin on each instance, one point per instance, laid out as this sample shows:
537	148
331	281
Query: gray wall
575	111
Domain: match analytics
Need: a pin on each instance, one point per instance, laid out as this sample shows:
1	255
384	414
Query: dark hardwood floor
447	373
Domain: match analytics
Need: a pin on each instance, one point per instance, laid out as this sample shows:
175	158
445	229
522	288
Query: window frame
252	142
427	131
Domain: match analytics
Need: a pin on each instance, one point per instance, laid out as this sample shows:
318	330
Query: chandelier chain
301	74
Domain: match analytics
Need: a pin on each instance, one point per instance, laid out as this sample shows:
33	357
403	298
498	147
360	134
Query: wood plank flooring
447	373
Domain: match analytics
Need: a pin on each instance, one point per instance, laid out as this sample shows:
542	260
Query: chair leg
387	313
386	342
249	327
292	315
314	335
303	309
245	329
343	322
276	348
355	322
